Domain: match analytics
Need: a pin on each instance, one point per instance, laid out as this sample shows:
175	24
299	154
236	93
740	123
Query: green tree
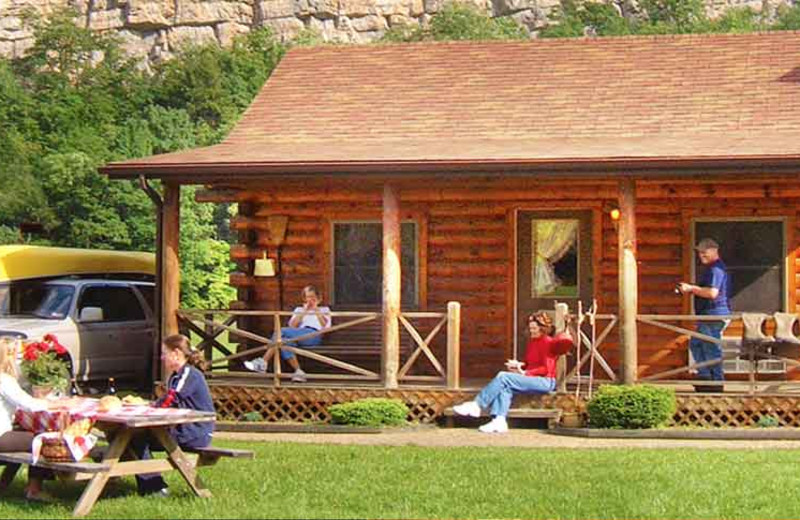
457	21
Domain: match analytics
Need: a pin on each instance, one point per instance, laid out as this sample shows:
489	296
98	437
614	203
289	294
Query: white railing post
453	344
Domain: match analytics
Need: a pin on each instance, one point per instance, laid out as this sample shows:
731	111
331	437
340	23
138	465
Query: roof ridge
586	40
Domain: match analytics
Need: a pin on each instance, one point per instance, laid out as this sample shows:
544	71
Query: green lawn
315	481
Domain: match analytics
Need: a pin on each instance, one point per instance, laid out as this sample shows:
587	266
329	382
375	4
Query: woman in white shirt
308	318
12	397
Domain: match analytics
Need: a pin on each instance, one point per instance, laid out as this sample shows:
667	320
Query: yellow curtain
551	239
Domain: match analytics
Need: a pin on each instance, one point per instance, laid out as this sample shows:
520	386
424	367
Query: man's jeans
496	396
707	351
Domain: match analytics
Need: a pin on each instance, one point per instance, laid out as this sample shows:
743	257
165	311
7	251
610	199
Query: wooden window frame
420	228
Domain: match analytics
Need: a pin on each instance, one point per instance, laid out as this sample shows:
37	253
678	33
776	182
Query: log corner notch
628	274
390	358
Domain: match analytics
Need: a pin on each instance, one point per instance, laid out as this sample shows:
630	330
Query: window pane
554	258
753	253
358	263
118	303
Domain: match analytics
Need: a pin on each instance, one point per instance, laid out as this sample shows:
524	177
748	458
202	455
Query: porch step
553	415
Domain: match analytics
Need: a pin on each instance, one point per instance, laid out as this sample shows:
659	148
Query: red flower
31	354
59	348
41	346
49	338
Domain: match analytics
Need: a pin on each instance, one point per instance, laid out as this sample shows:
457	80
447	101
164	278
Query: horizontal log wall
467	244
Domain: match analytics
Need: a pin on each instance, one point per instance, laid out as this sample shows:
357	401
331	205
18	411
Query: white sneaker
256	365
469	409
299	376
496	425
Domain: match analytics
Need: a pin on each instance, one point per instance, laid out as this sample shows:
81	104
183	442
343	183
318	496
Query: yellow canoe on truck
22	262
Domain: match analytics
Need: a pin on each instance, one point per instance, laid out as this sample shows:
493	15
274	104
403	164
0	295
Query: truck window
118	303
149	294
36	299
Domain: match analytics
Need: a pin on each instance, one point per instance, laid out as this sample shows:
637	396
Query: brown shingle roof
544	103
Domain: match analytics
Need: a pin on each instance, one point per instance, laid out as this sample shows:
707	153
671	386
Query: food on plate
134	400
81	427
109	403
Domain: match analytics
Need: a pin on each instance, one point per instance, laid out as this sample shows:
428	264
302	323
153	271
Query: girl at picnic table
13	397
538	376
186	388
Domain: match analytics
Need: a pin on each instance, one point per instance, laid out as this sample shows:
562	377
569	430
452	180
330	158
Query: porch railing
422	327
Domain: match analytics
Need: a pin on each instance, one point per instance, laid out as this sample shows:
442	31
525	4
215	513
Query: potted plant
44	365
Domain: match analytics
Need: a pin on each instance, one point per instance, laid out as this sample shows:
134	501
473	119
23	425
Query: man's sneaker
469	409
256	365
299	376
496	425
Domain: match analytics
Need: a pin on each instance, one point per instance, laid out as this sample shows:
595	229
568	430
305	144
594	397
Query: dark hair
544	320
181	342
312	288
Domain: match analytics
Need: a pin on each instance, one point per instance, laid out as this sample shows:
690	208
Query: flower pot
41	391
571	420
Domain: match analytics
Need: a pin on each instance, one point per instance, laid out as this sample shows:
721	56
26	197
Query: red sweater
539	357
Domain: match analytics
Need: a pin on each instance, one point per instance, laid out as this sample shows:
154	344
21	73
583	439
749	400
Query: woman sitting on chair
538	376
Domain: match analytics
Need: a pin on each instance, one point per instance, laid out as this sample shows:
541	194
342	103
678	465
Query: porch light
264	267
614	214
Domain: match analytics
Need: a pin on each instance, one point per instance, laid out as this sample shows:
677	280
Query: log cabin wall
467	247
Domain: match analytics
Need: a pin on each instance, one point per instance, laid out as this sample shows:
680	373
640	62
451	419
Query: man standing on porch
711	299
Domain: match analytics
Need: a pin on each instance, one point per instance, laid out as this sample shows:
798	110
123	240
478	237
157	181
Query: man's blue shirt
714	275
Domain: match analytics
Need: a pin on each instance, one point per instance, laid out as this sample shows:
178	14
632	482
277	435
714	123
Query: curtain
551	239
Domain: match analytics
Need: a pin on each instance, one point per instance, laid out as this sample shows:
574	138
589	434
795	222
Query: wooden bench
13	461
553	415
360	345
210	455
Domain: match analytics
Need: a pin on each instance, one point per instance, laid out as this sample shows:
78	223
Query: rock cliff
153	29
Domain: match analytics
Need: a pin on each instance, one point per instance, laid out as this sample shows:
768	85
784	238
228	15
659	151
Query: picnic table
121	425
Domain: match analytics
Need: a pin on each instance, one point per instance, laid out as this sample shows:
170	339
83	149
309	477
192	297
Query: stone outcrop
154	29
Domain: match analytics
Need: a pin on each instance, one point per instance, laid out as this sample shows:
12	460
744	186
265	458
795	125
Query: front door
554	264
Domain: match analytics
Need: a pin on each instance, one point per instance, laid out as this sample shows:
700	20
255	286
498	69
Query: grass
330	481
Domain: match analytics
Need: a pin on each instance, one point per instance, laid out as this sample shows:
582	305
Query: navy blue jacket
187	388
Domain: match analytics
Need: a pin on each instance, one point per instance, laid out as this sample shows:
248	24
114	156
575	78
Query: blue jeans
707	351
292	332
496	396
142	444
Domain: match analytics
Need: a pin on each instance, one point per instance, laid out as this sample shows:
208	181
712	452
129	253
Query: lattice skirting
736	410
304	404
311	404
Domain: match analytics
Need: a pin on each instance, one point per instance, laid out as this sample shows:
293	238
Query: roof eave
192	173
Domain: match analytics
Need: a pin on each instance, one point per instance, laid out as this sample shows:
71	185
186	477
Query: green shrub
370	412
768	421
631	407
252	417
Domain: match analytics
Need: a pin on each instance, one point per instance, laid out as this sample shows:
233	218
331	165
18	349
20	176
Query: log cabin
506	176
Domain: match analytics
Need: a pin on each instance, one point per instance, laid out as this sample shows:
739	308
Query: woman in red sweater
537	377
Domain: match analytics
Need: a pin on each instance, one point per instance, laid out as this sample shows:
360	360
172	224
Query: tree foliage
76	101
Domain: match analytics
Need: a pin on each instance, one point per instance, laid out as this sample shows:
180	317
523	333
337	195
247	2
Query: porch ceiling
650	104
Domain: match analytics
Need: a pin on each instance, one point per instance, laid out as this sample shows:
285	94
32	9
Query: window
554	258
358	263
48	301
149	294
754	253
118	303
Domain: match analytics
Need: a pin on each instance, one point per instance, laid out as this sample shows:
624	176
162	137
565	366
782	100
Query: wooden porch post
391	287
170	265
628	273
